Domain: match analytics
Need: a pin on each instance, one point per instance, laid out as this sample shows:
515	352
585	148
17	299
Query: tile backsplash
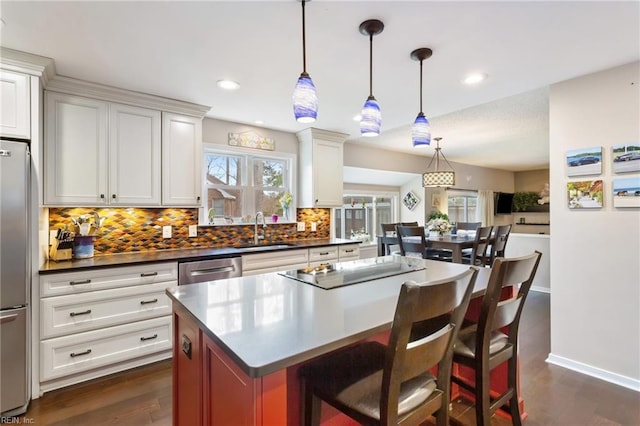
127	230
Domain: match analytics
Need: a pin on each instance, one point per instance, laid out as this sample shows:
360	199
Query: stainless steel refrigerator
15	277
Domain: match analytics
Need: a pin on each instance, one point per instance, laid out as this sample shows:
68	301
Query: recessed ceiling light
258	122
474	78
357	117
228	84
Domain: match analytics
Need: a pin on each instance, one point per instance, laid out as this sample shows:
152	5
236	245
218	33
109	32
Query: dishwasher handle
209	270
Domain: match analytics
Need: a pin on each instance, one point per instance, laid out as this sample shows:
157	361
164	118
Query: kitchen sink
265	247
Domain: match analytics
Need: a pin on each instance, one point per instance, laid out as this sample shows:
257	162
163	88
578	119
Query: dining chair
478	254
468	226
493	340
413	242
499	242
388	232
392	384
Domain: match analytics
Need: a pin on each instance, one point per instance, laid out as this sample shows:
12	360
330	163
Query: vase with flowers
285	203
439	226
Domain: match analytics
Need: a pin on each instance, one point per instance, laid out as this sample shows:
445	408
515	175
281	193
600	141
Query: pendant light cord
371	65
304	43
420	86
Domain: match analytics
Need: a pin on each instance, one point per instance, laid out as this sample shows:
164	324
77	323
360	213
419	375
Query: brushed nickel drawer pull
143	339
75	314
79	282
146	302
73	354
148	274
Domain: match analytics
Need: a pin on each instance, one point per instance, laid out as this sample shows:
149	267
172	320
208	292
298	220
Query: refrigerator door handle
7	318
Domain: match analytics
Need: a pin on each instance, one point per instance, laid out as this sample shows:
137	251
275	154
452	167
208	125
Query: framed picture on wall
626	192
626	158
585	194
584	161
410	200
436	200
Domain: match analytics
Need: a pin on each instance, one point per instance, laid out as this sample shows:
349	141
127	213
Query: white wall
524	244
595	268
418	212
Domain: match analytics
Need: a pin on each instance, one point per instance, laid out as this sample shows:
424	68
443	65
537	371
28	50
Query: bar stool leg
514	404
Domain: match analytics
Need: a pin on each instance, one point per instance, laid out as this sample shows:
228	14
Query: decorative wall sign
585	194
410	200
626	192
626	158
252	140
584	161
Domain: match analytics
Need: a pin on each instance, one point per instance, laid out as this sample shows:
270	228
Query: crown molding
313	133
28	63
113	94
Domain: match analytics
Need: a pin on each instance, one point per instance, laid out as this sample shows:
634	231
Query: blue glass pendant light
371	116
421	130
305	99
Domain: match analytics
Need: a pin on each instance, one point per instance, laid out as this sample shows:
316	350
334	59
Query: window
462	206
238	185
361	215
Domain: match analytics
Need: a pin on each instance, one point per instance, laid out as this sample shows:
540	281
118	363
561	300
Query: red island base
210	389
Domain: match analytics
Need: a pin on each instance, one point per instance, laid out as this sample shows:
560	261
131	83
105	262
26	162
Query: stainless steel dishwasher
209	270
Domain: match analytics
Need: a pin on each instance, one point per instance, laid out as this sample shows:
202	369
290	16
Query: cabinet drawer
349	252
323	254
88	311
100	279
274	261
80	352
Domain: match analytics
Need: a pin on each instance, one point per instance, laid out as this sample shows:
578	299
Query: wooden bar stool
391	384
482	346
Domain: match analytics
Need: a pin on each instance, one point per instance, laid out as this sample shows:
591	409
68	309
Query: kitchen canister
83	246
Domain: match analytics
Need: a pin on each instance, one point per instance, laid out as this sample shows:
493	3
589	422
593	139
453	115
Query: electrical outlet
301	226
166	231
52	235
193	230
313	227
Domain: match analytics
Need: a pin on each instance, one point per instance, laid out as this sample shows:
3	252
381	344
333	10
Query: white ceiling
180	49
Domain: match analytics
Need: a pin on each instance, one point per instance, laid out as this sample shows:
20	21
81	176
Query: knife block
59	254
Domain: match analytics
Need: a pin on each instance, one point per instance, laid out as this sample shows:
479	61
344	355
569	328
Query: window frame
466	194
395	211
247	187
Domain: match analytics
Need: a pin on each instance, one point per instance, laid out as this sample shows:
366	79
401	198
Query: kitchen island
239	342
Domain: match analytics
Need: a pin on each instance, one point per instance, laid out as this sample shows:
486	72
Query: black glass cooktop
333	275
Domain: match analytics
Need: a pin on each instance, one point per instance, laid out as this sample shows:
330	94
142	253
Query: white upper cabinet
181	160
320	174
100	153
15	105
134	156
75	168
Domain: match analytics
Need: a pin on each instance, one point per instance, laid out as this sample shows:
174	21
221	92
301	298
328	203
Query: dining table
454	242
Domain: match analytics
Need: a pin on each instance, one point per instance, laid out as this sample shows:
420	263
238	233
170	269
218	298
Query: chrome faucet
257	237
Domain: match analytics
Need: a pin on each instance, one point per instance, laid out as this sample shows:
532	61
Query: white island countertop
269	322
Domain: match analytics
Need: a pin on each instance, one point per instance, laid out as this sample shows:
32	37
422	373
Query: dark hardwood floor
553	395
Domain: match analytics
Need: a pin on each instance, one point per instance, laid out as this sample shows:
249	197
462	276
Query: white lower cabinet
100	321
261	263
323	255
349	252
80	352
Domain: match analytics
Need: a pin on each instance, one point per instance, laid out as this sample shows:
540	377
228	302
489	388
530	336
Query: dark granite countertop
122	259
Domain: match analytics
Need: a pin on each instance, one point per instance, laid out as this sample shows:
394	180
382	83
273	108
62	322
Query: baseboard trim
540	289
598	373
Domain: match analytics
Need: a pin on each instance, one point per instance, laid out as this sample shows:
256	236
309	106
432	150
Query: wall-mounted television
504	203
